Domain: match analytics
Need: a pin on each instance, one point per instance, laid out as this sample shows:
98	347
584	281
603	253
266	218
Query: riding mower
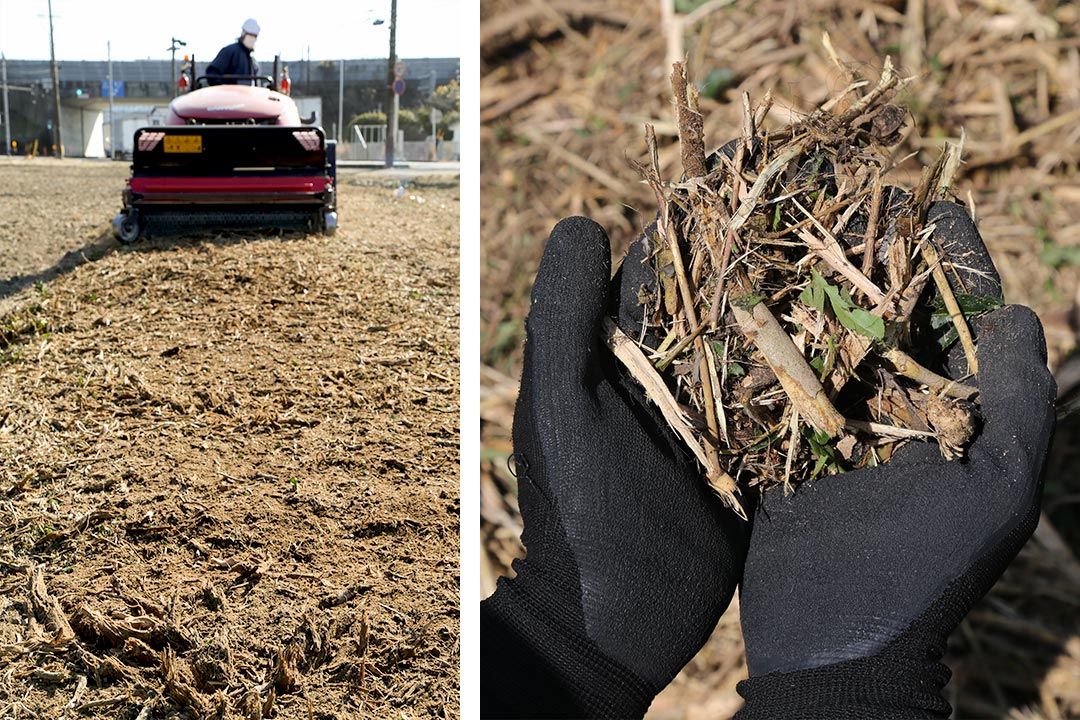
230	156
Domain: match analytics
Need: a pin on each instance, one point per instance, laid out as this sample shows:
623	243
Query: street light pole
176	45
112	108
56	89
391	96
7	114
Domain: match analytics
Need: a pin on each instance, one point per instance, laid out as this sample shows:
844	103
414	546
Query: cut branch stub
691	124
797	378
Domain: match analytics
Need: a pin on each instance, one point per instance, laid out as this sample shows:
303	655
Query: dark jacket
233	59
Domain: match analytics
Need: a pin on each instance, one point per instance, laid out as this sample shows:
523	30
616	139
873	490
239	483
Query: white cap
250	26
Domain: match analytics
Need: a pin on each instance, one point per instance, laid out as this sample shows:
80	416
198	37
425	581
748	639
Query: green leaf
969	304
1058	256
734	369
506	335
822	450
822	461
814	295
847	312
941	325
717	81
854	317
747	302
763	442
832	354
818	439
943	331
688	6
824	364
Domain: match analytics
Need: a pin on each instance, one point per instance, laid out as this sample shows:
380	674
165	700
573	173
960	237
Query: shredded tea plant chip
802	304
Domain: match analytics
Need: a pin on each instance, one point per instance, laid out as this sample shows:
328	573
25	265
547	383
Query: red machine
230	156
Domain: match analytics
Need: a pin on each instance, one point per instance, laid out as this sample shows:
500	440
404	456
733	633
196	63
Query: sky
332	29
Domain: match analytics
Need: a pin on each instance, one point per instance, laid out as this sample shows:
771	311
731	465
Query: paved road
401	170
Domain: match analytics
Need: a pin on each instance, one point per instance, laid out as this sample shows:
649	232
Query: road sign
399	86
399	69
118	88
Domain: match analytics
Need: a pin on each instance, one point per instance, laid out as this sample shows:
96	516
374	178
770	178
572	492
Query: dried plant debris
803	307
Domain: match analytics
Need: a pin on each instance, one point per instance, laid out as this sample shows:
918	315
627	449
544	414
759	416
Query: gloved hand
853	583
630	558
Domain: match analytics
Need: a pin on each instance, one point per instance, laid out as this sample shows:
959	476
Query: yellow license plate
183	143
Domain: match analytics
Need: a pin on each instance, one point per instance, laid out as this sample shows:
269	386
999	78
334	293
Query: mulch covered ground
228	462
565	91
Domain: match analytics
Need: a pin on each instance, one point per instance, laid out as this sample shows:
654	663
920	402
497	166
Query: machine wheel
129	228
329	222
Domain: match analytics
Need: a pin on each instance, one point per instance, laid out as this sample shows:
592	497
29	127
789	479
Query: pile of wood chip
788	281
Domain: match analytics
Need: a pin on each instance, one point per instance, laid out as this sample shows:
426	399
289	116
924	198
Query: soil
228	463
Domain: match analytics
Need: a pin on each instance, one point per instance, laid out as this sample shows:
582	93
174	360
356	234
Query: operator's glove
853	583
630	558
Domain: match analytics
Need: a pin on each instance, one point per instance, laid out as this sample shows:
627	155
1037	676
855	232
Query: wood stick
1050	125
80	688
870	239
829	250
793	449
748	132
909	368
955	313
951	164
714	380
826	42
693	146
730	235
670	355
778	163
103	702
762	110
672	25
909	298
47	609
796	377
691	124
639	367
891	431
888	81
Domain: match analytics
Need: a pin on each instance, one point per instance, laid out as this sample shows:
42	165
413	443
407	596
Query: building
142	90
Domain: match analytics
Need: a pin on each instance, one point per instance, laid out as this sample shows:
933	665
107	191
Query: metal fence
368	143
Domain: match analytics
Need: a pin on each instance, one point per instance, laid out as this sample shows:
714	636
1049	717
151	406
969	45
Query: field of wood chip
566	90
228	462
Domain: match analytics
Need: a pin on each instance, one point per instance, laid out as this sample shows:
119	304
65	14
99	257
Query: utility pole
341	101
391	96
112	110
176	45
58	137
7	113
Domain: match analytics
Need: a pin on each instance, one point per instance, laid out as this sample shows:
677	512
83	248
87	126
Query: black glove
631	559
853	583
